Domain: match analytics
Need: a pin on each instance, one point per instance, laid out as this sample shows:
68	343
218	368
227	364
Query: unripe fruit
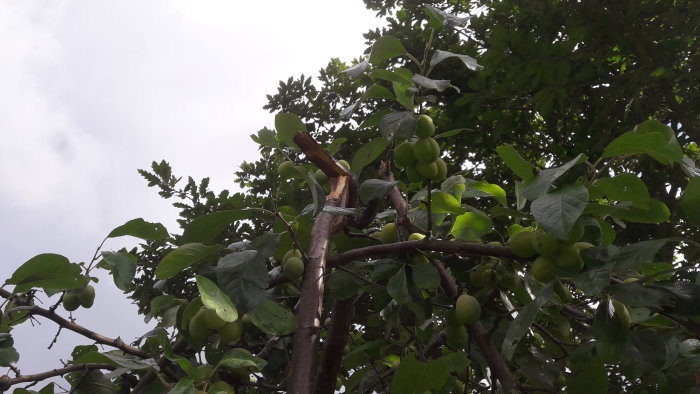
287	169
344	164
231	332
569	256
425	127
622	314
544	243
293	268
221	387
419	259
198	330
5	382
481	275
543	268
416	237
426	150
70	301
427	170
321	177
457	335
211	320
521	244
442	170
583	245
630	279
403	154
290	253
87	296
467	309
389	234
413	175
576	232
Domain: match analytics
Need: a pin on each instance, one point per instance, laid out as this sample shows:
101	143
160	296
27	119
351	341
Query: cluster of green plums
421	158
84	297
292	265
206	321
553	252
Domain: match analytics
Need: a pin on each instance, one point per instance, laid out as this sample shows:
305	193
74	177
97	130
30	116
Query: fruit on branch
221	387
543	268
425	127
416	237
576	232
481	275
388	234
211	319
457	336
427	170
231	332
293	268
321	177
622	314
290	253
467	309
344	164
403	154
196	327
426	150
5	382
569	256
544	243
521	244
87	296
419	258
442	170
413	175
287	169
71	301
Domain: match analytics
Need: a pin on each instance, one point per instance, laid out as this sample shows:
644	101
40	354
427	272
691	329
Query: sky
91	91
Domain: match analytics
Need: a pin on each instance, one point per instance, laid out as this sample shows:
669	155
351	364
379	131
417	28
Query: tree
418	276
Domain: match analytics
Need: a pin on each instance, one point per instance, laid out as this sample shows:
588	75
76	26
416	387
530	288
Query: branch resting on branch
37	377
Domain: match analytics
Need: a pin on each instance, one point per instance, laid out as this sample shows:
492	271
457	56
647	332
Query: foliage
407	284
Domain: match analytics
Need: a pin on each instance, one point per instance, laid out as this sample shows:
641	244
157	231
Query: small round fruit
543	268
290	253
321	177
71	301
231	332
212	320
413	175
427	170
426	150
403	154
425	127
544	243
286	169
521	244
569	256
5	382
576	232
221	387
442	170
198	330
419	259
481	275
389	233
293	268
416	237
622	314
344	164
467	309
87	296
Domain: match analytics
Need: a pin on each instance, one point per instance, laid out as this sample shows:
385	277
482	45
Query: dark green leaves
515	162
213	298
184	256
287	125
8	354
434	84
652	138
468	61
243	277
626	187
690	202
367	153
123	268
384	48
398	125
539	185
207	227
592	378
374	188
635	254
557	212
272	318
521	324
238	358
140	228
47	271
413	376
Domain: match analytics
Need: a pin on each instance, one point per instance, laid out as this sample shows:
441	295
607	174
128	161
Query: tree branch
341	320
59	372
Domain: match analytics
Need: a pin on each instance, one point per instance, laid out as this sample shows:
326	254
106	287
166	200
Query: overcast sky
90	91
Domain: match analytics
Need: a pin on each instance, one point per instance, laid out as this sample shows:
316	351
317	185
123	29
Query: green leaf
397	287
206	228
515	162
344	285
265	137
356	70
591	379
377	92
439	56
238	358
438	18
413	376
470	226
47	271
405	94
273	319
652	138
123	268
635	254
140	228
94	382
444	203
398	125
426	277
540	184
626	187
490	190
243	276
657	212
374	188
113	357
374	119
213	298
434	84
384	48
593	280
287	125
184	256
390	76
635	294
690	202
558	211
521	324
366	154
8	355
184	386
